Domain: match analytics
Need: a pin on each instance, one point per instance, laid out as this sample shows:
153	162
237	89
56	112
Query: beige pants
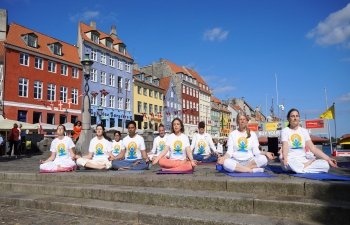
83	161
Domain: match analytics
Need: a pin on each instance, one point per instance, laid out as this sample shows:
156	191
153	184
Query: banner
253	126
314	124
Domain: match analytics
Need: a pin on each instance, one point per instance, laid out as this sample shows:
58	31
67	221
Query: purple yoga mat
174	172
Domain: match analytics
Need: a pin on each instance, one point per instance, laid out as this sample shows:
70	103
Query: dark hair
76	122
182	130
288	114
131	122
64	128
201	124
246	128
117	132
161	125
103	133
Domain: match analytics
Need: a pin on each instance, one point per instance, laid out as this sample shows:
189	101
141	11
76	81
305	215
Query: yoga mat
278	169
56	171
91	170
126	172
174	172
321	176
244	175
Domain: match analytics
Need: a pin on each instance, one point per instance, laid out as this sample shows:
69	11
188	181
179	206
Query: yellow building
148	101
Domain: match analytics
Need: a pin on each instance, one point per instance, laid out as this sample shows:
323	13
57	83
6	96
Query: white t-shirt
177	146
133	147
116	147
159	145
202	143
296	141
241	147
61	147
19	131
100	148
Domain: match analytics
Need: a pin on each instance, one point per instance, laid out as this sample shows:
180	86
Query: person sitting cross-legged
159	143
133	152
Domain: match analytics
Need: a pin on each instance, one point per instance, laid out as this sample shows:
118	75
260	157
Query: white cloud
209	78
345	59
214	34
87	15
335	29
344	98
224	89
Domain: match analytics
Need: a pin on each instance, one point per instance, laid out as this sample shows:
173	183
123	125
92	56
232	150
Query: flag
328	114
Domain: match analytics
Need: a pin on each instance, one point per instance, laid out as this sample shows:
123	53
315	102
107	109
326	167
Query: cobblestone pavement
24	216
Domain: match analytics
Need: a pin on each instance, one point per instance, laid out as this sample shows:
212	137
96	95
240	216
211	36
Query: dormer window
56	48
121	48
31	40
109	44
95	37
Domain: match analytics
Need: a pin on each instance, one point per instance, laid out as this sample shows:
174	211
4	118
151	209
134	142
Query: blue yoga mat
312	176
244	175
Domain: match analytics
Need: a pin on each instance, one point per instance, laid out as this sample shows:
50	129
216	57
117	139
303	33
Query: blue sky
238	47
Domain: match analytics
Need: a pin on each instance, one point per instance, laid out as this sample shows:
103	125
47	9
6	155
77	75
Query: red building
42	78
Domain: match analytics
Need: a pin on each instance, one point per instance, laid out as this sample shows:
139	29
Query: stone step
137	213
269	186
292	207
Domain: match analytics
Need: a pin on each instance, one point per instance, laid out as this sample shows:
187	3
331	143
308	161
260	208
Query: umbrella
69	126
6	124
47	127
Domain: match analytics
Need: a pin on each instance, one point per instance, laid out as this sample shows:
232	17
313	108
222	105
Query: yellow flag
328	114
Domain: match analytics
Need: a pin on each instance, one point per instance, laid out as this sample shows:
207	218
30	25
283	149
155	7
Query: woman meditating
294	141
62	155
100	150
243	154
180	158
116	144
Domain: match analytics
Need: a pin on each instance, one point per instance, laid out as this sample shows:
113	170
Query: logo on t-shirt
99	149
161	146
296	141
61	149
132	147
201	147
178	148
242	143
116	149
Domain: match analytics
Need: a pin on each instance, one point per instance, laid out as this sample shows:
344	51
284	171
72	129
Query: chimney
3	24
211	92
160	60
192	68
93	24
113	32
135	66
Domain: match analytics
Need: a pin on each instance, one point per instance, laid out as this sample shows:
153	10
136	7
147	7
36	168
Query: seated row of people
174	152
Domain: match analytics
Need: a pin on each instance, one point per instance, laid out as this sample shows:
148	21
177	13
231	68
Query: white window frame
111	62
93	75
120	65
75	72
103	77
171	94
39	63
93	55
103	58
111	80
63	94
51	92
127	84
93	100
24	59
120	103
127	67
103	101
51	66
38	90
127	103
74	96
23	87
64	70
156	94
111	101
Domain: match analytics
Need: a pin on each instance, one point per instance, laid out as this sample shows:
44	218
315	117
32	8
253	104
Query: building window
187	91
32	40
24	59
93	75
150	108
103	58
73	119
36	117
56	48
63	94
139	90
109	44
103	77
155	108
145	107
95	38
139	107
120	65
38	89
74	96
161	96
50	118
103	101
111	61
120	84
171	105
145	91
127	67
127	104
23	87
120	103
51	92
167	104
75	73
93	54
111	80
183	89
184	103
156	94
38	63
52	67
161	109
127	84
93	100
122	49
111	101
150	93
64	70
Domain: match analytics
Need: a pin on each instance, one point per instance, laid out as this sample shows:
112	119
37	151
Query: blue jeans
116	164
212	158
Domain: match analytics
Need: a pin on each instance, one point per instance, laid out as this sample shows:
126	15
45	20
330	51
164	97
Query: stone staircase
180	199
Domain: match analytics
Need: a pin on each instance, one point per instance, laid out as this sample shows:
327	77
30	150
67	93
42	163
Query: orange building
42	78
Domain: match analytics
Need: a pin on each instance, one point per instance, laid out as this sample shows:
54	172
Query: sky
294	51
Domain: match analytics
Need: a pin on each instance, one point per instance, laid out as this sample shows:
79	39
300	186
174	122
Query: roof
143	82
237	107
176	68
215	100
165	83
69	52
316	139
199	80
84	28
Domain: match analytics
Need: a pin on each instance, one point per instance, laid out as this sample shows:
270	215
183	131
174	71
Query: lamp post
66	115
100	112
85	136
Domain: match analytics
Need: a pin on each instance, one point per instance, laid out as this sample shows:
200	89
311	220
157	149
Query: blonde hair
246	128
